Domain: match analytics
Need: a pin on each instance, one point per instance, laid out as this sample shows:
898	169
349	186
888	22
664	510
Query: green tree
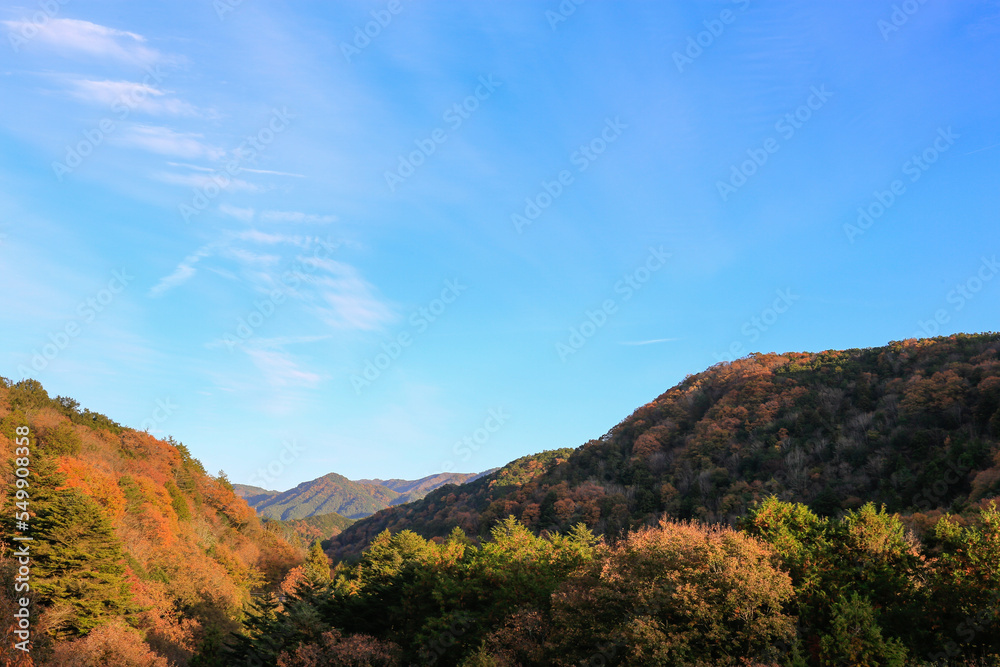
61	440
676	594
78	563
855	638
317	565
964	588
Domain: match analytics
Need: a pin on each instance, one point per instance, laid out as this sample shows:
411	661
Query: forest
831	508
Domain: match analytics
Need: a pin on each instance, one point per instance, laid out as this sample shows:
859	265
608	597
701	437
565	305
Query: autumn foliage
836	508
140	557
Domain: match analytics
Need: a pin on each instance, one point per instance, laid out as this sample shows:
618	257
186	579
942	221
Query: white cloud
649	342
132	95
202	181
296	217
192	166
72	36
165	141
349	300
331	291
251	257
278	367
273	173
271	239
244	214
182	273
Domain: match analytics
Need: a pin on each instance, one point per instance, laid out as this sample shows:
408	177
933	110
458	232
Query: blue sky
522	220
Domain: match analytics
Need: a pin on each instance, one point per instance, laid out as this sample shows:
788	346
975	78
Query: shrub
61	440
681	593
337	650
111	645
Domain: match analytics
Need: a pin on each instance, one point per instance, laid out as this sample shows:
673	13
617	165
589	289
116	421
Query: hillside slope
254	495
137	552
333	493
303	532
914	424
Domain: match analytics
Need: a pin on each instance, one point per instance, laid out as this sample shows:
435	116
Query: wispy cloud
278	366
202	180
348	301
192	166
271	239
249	257
181	274
980	150
75	37
244	214
134	95
296	217
331	291
273	173
649	342
165	141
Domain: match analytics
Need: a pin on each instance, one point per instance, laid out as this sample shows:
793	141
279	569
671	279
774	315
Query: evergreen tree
76	557
78	562
317	565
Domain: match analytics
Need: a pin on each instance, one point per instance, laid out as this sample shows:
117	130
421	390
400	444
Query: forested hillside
790	588
303	532
914	425
833	508
859	487
138	556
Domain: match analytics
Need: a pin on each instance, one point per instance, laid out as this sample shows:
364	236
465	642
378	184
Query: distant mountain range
353	499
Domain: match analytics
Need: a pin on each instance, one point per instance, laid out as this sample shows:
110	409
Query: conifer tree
317	565
78	562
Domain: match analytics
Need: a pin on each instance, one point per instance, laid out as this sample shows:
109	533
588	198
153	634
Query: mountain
913	425
254	495
335	493
137	554
416	489
303	532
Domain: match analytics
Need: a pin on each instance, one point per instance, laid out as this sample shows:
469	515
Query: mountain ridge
831	429
335	493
